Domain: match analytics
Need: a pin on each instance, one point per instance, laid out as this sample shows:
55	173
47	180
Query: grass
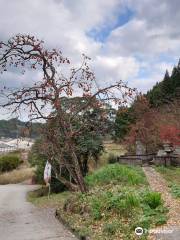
110	228
116	173
172	176
153	199
16	176
111	149
55	200
114	148
118	201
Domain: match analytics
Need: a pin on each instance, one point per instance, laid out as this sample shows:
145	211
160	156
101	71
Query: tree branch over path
65	118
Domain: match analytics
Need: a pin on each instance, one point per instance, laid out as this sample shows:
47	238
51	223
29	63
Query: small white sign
47	172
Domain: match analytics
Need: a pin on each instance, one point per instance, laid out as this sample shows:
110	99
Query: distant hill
167	90
14	128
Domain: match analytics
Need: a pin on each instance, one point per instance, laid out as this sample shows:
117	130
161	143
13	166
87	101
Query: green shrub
123	203
162	169
96	207
105	202
144	222
112	158
120	174
110	228
161	219
9	162
153	199
56	185
37	159
83	232
175	189
132	200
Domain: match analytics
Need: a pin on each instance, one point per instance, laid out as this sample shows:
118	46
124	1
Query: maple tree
145	128
65	123
170	133
169	122
154	126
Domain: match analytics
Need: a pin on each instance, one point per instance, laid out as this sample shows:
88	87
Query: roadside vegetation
40	199
9	162
98	156
172	176
17	176
110	153
13	169
118	201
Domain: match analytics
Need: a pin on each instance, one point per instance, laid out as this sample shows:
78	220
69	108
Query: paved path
20	220
170	231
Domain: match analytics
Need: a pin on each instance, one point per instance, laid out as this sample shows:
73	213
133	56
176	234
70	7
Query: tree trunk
80	180
85	165
70	186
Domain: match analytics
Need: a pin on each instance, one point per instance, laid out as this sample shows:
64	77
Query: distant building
4	147
8	145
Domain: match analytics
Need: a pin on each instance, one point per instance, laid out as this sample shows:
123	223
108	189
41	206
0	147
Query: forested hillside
14	128
153	117
167	90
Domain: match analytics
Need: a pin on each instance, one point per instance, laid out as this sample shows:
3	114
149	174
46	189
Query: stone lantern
168	148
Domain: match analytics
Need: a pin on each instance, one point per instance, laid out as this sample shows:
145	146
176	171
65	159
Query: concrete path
20	220
170	231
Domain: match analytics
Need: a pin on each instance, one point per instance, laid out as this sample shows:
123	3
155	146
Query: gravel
171	230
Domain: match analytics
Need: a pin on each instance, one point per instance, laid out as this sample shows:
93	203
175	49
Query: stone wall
149	159
137	159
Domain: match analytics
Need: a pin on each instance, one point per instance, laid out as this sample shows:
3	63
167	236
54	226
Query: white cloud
136	38
162	67
111	69
146	83
138	51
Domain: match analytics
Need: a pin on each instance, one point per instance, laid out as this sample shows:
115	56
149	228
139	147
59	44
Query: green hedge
9	162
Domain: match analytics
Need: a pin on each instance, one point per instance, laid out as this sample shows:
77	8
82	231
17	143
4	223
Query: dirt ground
170	231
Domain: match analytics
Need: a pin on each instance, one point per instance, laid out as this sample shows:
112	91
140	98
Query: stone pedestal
140	149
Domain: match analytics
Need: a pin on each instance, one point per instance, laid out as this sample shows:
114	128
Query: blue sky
101	33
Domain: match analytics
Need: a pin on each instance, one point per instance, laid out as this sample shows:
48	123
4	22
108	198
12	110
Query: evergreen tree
166	88
124	119
165	91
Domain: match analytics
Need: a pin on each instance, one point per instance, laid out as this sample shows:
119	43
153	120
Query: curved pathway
20	220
